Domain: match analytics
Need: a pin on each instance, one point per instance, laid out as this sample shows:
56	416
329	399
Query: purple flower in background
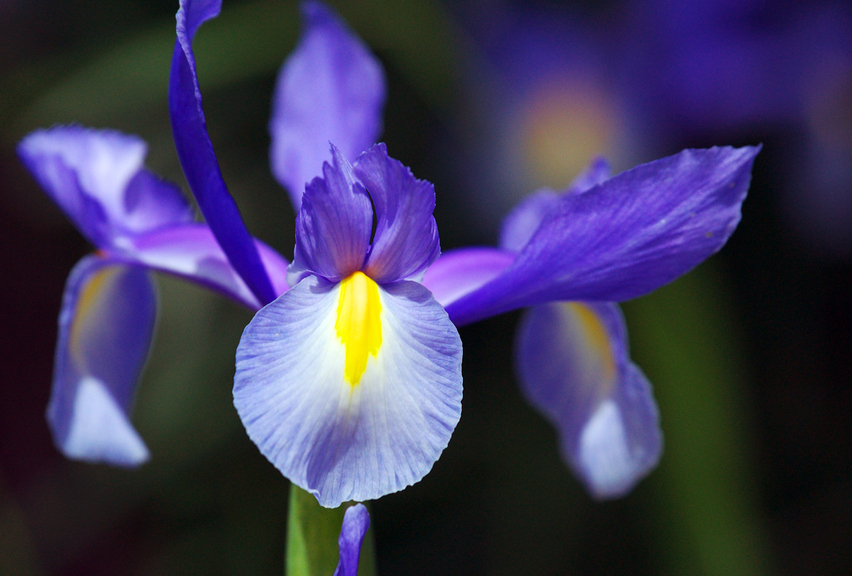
712	68
349	376
550	106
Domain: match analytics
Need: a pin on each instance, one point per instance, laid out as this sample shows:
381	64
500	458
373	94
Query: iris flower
349	376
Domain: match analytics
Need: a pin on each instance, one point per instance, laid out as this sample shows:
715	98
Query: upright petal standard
330	89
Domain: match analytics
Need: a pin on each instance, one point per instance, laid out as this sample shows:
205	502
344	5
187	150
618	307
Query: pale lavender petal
191	251
574	366
334	438
330	89
356	521
198	159
105	328
625	237
461	271
406	238
334	224
98	179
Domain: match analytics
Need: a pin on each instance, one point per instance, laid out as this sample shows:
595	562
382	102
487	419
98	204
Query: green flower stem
312	533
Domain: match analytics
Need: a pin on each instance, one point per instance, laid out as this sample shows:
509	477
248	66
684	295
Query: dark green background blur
749	355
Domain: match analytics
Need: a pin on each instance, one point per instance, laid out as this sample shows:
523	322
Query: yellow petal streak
88	306
359	323
598	339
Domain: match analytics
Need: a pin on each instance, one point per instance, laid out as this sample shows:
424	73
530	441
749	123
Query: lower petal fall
105	328
574	367
337	440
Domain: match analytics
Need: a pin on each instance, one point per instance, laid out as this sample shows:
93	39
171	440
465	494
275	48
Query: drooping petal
461	271
334	224
338	415
330	89
98	179
198	159
105	328
356	521
191	251
524	219
406	239
574	366
625	237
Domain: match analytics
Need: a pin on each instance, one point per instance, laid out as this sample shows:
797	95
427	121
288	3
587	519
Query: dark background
749	355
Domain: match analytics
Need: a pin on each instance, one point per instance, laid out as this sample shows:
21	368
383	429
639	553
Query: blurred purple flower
639	78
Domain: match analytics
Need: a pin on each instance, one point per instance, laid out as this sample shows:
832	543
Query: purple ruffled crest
334	227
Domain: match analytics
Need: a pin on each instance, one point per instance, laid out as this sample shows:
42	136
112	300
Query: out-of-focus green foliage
685	338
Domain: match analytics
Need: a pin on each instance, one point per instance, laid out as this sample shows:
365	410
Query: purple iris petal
105	327
595	173
198	159
330	89
191	251
334	224
525	218
624	237
406	239
464	270
97	177
356	521
574	367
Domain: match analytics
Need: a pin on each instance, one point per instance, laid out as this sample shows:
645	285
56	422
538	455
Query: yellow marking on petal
598	338
88	304
359	323
89	296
